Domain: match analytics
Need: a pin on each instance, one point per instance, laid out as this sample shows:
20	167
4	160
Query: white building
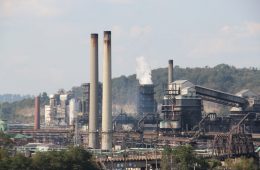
48	116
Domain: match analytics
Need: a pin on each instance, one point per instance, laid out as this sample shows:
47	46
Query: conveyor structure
220	97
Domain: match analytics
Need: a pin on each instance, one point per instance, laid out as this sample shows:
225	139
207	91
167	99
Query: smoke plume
143	71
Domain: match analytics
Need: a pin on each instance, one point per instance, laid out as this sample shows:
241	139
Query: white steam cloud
143	71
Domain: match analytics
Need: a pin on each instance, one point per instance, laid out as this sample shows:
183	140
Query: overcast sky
44	44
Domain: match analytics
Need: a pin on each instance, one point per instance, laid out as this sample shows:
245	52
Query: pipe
36	113
93	113
107	95
170	72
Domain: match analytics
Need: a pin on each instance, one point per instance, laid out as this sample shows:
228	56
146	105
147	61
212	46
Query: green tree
44	99
20	162
182	157
78	158
214	163
167	158
74	158
5	141
241	163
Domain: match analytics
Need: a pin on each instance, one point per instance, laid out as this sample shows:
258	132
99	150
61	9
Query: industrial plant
120	141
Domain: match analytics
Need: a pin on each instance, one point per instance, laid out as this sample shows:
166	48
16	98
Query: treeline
221	77
73	158
13	97
9	110
124	89
184	158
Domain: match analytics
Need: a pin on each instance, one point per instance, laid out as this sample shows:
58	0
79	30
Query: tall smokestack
107	95
93	113
36	113
170	72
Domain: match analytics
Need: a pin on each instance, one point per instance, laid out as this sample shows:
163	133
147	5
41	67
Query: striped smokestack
107	95
93	110
36	113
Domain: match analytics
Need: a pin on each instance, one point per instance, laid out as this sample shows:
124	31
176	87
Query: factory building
146	101
48	115
181	108
146	107
85	101
61	110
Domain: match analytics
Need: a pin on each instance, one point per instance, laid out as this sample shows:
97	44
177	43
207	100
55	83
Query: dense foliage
124	89
5	141
12	97
182	157
241	164
9	110
221	77
73	158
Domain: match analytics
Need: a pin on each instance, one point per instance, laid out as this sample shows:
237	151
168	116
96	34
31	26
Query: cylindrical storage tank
73	110
47	114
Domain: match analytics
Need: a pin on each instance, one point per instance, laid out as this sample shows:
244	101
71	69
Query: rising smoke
143	71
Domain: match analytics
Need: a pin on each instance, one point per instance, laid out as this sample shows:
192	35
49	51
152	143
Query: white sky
44	44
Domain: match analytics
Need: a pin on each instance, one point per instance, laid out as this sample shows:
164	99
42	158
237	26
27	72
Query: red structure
37	113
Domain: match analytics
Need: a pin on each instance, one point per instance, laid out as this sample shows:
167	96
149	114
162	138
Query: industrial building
180	119
145	100
182	108
85	100
62	110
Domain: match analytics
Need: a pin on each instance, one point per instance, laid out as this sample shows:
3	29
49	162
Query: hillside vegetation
12	97
21	110
124	89
221	77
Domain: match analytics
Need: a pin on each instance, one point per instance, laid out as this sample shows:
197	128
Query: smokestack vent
107	95
37	113
170	72
93	110
94	35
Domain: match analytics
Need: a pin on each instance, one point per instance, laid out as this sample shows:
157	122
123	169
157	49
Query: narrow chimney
170	72
107	95
93	113
36	113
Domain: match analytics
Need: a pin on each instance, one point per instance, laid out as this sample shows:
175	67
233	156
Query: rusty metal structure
233	144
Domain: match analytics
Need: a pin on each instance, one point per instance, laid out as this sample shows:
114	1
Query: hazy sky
44	44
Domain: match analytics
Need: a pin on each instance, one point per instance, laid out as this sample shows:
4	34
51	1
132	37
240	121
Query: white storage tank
73	110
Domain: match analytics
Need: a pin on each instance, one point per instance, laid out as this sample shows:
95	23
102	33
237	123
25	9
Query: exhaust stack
170	72
37	113
93	113
107	95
